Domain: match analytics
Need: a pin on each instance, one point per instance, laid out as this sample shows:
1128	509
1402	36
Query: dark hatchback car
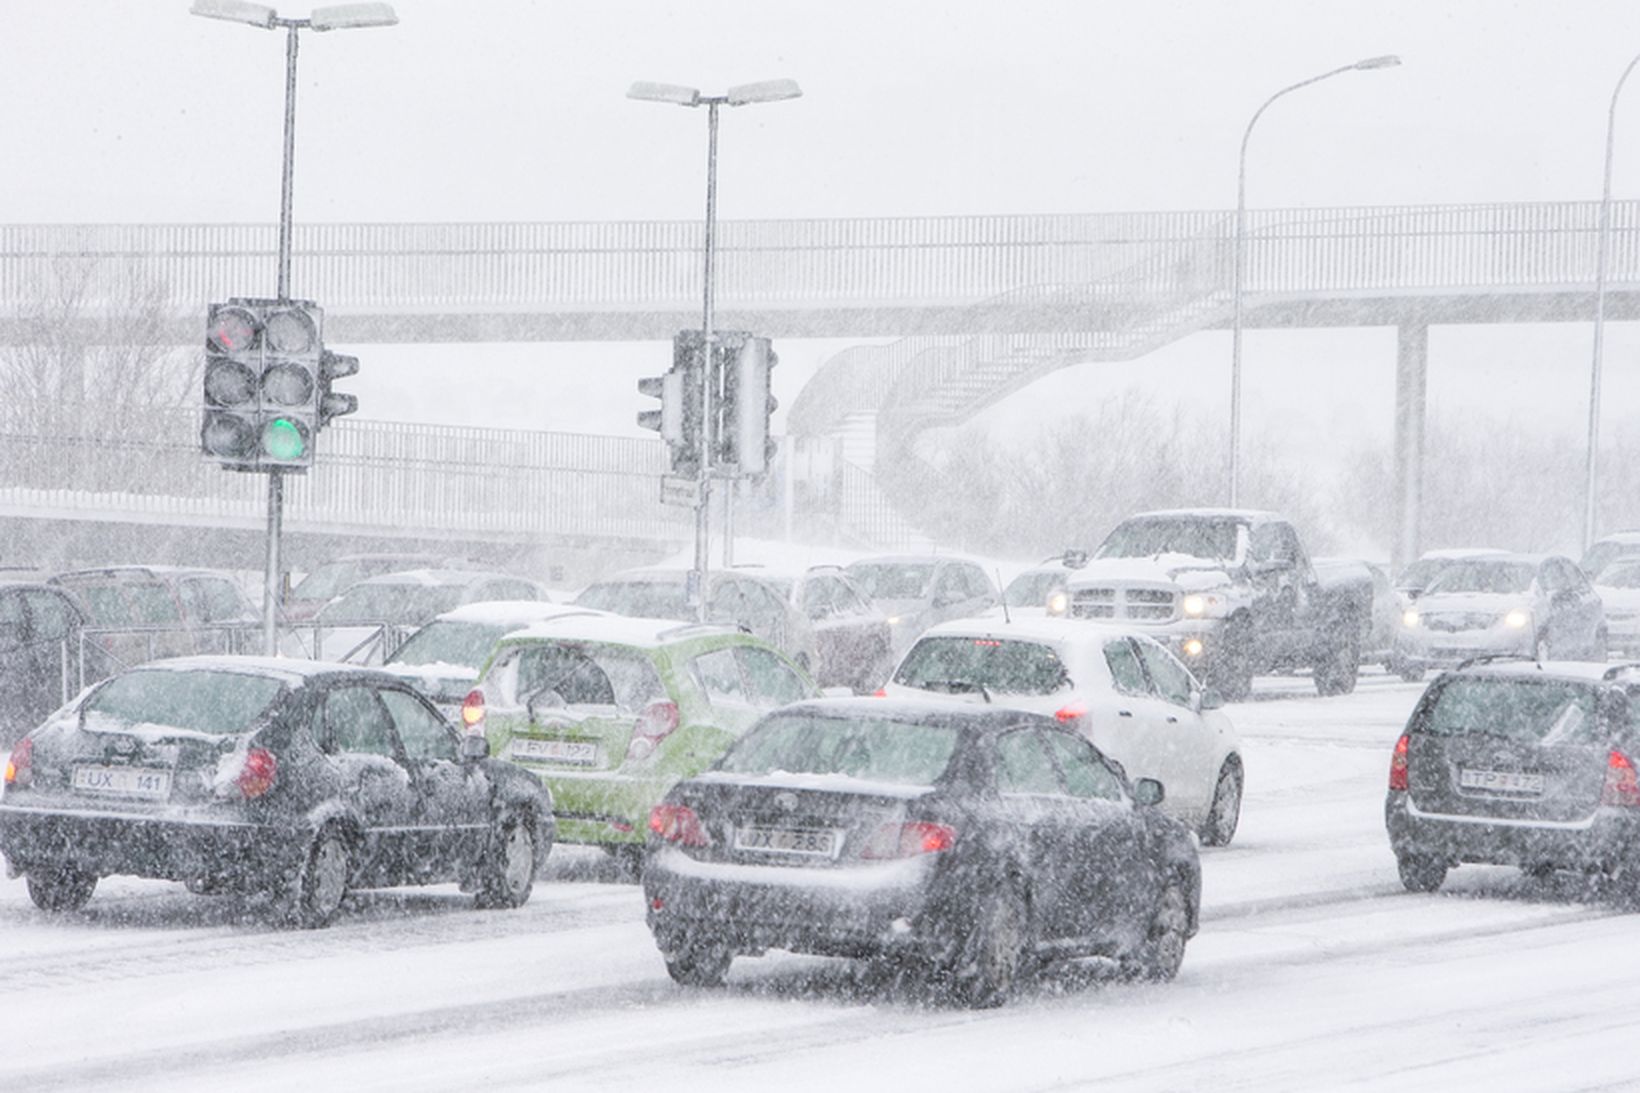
967	843
293	779
1519	763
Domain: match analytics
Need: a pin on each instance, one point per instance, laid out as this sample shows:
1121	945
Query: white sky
505	110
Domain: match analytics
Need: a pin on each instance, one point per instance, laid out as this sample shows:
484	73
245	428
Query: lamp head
763	91
1388	60
664	92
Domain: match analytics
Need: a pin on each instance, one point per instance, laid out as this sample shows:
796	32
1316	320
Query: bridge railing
368	475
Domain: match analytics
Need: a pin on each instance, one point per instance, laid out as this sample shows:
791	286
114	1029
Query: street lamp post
335	17
1602	259
741	95
1239	261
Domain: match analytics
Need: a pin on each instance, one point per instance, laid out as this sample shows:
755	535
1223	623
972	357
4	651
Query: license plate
583	753
1502	781
787	840
124	781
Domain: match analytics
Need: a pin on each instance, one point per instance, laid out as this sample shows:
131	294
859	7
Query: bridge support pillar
1411	383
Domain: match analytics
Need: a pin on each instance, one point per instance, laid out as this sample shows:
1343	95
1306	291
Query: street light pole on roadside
1239	261
741	95
1602	259
335	17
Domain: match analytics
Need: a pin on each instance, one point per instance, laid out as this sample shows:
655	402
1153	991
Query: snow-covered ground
1313	970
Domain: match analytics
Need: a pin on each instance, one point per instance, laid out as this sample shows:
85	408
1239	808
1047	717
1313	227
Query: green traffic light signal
284	439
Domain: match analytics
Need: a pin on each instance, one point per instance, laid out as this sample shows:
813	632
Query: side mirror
1147	793
1208	698
475	746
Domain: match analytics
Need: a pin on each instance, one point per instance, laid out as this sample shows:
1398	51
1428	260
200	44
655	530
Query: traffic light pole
703	501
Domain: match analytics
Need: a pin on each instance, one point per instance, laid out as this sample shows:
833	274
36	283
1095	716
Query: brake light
678	824
256	776
20	764
1398	764
988	643
907	840
880	692
657	721
1622	787
1072	712
472	709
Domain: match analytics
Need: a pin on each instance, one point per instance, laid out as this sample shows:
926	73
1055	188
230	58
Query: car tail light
1398	764
1622	786
657	721
678	824
20	765
880	692
1072	712
472	709
257	772
907	840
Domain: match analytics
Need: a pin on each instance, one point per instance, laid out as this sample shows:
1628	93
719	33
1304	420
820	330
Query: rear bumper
107	843
604	808
845	911
1605	839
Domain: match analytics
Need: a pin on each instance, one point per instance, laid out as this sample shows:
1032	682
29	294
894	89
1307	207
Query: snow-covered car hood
1478	602
1184	570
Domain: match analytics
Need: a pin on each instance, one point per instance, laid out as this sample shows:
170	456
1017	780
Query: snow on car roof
1029	628
1239	514
512	612
1460	552
438	577
1584	670
932	710
291	669
615	629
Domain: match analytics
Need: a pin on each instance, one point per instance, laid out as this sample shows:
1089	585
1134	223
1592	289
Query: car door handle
1124	713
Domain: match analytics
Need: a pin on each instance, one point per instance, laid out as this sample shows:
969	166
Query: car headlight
1198	605
1058	603
1517	619
1192	647
1409	619
894	620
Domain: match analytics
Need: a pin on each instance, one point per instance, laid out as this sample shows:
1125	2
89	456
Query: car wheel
700	964
61	887
991	960
1161	954
1420	873
316	893
1220	826
1336	675
628	858
507	872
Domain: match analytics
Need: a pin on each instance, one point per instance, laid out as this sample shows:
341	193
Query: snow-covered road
1313	970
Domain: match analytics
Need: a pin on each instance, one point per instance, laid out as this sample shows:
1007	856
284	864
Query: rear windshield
1507	577
895	752
1532	711
128	603
963	665
400	603
1033	589
574	673
444	641
646	599
202	700
892	580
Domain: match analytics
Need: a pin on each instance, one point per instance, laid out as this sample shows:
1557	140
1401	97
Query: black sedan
291	778
966	842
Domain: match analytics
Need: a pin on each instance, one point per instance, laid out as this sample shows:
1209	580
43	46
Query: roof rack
1487	658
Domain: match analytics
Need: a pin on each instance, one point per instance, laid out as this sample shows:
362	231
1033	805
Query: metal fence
368	475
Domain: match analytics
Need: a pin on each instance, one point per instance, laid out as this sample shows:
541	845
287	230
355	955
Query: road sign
684	492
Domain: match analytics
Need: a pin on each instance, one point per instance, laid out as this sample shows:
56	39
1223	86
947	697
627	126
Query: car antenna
1007	618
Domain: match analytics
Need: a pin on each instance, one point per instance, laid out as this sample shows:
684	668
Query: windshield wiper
958	687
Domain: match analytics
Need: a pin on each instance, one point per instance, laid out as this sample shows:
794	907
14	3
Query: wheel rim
518	862
329	876
999	956
1227	805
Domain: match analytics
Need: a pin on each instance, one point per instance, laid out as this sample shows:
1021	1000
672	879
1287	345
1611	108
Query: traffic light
744	442
262	383
233	375
335	404
678	417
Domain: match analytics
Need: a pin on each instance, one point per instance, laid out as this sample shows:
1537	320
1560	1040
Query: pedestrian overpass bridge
982	305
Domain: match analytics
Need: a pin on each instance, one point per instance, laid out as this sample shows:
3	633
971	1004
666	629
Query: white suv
1123	690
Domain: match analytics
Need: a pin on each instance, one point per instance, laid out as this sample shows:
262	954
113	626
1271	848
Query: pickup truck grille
1116	602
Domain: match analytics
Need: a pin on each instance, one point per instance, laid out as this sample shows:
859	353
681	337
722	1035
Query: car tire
1337	674
1420	872
506	875
1159	958
1225	814
315	894
628	858
992	958
700	964
61	887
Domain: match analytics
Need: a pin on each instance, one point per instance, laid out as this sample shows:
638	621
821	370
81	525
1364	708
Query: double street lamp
1602	261
741	95
334	17
1239	259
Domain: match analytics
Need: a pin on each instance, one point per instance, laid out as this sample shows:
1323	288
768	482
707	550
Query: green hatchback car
610	711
